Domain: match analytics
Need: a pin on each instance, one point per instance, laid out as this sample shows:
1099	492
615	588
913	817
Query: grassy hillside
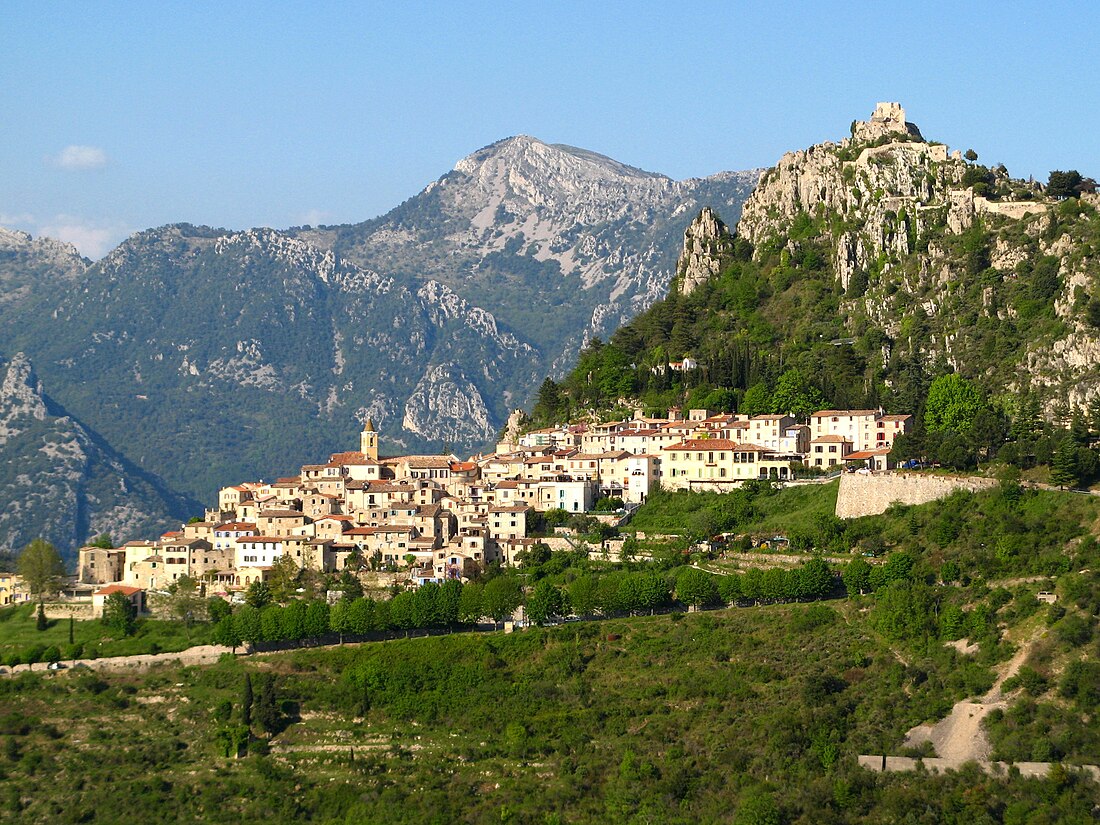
713	717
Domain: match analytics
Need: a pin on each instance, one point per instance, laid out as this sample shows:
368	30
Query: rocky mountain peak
887	119
885	182
704	240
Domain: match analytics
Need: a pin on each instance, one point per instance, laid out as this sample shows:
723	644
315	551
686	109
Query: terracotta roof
711	444
235	526
429	461
282	514
868	454
463	466
825	413
896	417
118	588
515	509
350	457
171	534
831	439
260	539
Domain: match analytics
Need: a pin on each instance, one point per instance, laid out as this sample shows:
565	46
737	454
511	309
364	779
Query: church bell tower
368	441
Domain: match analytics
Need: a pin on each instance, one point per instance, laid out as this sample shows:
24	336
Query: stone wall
869	495
79	610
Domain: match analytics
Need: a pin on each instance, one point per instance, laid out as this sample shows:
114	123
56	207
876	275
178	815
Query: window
832	448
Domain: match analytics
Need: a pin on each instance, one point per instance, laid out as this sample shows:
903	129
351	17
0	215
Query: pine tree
1063	467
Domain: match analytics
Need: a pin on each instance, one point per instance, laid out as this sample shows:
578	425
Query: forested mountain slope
206	356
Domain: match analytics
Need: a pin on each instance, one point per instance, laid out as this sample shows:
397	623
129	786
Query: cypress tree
41	623
246	702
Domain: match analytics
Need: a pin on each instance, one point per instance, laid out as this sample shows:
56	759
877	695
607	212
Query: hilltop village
437	518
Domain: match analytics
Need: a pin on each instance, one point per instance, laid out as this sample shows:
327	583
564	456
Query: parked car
55	666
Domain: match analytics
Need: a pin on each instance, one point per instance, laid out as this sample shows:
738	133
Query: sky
123	116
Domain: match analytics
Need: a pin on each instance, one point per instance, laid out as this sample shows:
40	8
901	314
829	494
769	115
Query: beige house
865	429
829	451
12	590
718	463
136	595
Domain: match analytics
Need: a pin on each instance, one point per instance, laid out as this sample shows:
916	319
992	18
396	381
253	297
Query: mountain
61	482
859	271
213	355
558	242
204	356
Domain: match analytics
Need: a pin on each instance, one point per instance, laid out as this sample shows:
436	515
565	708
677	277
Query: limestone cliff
706	240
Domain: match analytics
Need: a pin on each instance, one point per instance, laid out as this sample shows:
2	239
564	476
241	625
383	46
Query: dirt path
199	655
960	738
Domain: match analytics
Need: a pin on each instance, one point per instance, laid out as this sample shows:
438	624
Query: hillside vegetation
751	713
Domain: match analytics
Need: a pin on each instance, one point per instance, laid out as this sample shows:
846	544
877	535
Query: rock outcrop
947	260
706	240
883	192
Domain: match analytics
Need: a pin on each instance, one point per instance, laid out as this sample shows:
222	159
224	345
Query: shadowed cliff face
61	482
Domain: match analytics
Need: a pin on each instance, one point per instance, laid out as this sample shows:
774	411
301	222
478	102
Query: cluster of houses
438	517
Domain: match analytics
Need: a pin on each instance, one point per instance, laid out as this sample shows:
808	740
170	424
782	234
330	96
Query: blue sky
122	116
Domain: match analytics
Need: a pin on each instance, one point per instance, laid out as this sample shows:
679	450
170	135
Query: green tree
546	603
350	586
217	609
102	541
857	577
815	580
696	587
757	808
501	597
1063	184
246	701
757	400
795	394
283	582
470	608
183	599
41	567
953	404
266	710
258	594
119	614
317	619
1063	467
582	595
226	633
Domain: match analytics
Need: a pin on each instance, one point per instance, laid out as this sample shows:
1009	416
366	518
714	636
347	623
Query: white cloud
313	217
80	157
94	240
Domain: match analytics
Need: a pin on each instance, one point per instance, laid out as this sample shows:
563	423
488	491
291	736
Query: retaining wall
870	494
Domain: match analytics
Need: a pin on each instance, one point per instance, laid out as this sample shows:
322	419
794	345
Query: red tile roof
117	588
